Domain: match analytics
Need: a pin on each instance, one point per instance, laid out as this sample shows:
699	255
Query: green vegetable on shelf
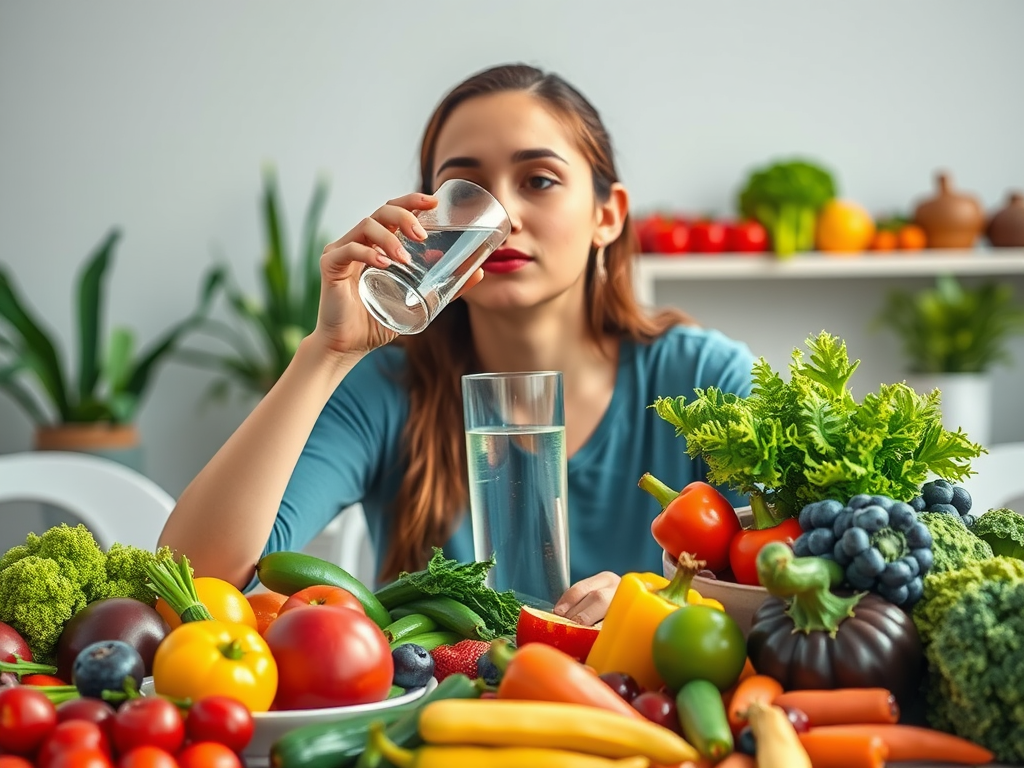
786	197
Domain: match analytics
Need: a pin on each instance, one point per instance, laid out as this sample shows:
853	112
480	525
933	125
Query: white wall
157	117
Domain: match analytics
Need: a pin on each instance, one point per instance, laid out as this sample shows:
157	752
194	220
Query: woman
362	416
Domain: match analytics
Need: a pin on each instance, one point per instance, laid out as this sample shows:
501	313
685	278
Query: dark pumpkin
877	647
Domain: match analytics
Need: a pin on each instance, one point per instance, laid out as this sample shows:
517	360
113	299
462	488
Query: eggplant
805	636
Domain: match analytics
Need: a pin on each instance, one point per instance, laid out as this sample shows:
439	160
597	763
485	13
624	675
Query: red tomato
78	758
147	757
322	594
220	719
90	710
26	718
42	680
747	237
328	657
668	236
208	754
69	737
707	236
148	721
13	645
13	761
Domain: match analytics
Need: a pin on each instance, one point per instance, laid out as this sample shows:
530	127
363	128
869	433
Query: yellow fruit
844	227
223	600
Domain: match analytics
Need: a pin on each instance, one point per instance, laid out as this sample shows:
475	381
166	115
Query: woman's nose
507	201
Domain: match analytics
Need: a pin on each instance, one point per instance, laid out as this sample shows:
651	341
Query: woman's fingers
586	602
340	261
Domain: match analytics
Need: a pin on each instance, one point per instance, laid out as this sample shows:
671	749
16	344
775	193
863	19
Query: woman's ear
611	215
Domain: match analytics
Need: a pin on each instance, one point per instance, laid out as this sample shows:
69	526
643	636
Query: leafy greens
791	443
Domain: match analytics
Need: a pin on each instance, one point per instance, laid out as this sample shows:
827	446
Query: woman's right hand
343	323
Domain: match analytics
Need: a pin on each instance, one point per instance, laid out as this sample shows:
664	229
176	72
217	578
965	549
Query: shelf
653	268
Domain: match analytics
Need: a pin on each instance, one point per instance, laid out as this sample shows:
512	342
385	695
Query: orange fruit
223	600
911	237
266	606
844	227
884	240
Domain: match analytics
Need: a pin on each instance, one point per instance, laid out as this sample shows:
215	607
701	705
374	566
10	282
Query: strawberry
461	657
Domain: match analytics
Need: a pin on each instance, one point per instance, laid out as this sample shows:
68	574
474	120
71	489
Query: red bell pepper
698	520
746	545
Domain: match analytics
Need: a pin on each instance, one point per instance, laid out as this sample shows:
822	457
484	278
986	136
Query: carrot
842	706
844	750
911	742
756	687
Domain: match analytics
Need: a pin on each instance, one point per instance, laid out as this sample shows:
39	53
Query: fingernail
419	231
404	254
383	260
560	609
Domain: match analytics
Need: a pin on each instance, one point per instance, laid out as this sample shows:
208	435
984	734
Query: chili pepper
539	672
550	725
493	757
639	604
698	519
746	544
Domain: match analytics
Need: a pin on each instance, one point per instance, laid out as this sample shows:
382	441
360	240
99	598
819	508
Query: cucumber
338	744
398	591
413	624
428	641
450	614
703	719
289	572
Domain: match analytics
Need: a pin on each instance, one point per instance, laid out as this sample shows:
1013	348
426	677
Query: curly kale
1004	530
48	579
976	660
953	544
943	590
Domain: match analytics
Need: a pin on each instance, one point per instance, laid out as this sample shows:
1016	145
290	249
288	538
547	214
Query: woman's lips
506	260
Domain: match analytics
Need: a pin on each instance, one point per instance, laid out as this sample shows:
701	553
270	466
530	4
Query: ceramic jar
1006	227
950	219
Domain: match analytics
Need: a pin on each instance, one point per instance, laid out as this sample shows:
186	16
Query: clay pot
1006	227
950	219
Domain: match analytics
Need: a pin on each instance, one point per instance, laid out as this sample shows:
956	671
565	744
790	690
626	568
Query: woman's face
510	144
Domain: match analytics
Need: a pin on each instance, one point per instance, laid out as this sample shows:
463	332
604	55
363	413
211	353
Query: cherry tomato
12	644
90	710
148	721
329	657
72	736
322	594
13	761
78	758
147	756
707	236
208	754
220	719
747	237
26	718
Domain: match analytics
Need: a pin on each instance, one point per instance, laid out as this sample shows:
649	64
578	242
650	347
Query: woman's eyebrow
519	156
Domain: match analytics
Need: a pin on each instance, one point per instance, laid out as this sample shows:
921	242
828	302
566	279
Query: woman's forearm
223	518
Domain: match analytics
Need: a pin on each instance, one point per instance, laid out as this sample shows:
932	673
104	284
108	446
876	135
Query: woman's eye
540	182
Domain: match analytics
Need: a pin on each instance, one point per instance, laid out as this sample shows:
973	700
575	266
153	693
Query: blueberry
858	501
918	504
746	742
902	516
915	591
897	595
839	554
924	558
912	564
106	666
896	574
800	547
968	520
414	666
825	513
872	519
857	578
486	669
804	518
961	499
870	562
883	501
946	509
919	536
855	541
820	541
937	492
843	520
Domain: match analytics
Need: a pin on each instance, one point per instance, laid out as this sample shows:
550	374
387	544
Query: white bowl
268	727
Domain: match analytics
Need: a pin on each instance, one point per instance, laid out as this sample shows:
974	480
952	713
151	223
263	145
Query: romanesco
49	578
976	662
1004	530
953	544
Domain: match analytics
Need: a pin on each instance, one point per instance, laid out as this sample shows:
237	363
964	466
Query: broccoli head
75	550
1003	529
953	544
977	660
126	573
943	590
37	598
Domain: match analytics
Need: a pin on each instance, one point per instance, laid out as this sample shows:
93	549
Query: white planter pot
966	401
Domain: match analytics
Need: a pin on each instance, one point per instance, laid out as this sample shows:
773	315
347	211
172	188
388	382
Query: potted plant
94	411
266	334
952	337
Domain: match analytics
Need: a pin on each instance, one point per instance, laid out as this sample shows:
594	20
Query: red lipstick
506	260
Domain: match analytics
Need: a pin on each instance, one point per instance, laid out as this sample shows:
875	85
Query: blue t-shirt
353	453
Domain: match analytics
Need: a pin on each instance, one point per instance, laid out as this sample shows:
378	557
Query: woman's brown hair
434	489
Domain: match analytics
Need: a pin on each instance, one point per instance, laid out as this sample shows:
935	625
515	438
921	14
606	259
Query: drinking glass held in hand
462	231
518	487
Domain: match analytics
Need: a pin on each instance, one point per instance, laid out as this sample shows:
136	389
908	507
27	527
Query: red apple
536	626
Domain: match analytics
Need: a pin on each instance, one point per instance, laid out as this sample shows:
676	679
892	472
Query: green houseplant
100	402
265	334
952	336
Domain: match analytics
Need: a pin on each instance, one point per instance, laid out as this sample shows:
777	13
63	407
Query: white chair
346	541
115	502
999	481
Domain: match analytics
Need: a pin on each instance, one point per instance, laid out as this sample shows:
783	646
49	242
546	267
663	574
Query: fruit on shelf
844	227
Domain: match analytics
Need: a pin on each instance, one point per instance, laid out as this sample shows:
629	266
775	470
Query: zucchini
450	614
703	719
398	592
288	572
339	744
413	624
428	641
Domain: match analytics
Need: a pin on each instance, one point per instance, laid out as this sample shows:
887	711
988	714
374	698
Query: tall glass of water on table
518	486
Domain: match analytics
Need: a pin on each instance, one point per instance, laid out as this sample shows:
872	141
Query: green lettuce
791	443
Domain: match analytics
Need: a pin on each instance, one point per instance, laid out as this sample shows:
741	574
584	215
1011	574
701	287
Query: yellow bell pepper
211	658
638	606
